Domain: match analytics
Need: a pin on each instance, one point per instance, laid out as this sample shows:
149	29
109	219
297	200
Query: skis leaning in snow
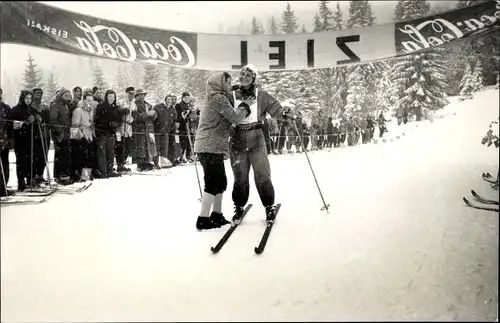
32	200
269	226
229	232
479	207
37	192
487	177
482	199
73	190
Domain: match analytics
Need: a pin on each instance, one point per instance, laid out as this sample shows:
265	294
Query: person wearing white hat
248	146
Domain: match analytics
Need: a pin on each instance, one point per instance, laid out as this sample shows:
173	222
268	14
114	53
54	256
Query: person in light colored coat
212	144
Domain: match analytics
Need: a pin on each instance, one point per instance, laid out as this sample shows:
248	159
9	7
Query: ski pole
3	178
45	154
194	157
325	206
31	159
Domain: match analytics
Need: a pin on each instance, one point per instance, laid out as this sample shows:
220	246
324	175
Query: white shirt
254	111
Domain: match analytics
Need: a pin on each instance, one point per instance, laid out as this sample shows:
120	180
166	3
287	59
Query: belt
249	126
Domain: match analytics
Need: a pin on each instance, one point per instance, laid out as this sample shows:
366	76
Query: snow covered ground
398	244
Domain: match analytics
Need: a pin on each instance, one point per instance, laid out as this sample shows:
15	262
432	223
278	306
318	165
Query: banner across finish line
40	25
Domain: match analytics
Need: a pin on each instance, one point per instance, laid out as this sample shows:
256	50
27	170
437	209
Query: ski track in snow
398	244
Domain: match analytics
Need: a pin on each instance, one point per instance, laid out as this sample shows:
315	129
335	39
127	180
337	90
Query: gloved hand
151	113
287	113
185	114
30	119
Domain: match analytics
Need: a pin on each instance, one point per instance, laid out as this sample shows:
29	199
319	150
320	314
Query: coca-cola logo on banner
437	30
112	42
41	25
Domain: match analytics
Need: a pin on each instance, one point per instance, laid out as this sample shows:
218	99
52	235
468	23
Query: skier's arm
274	108
223	106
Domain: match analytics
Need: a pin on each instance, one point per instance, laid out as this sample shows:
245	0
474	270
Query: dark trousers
40	154
330	140
267	137
282	138
62	159
81	155
274	142
185	146
4	156
248	148
305	142
342	138
171	148
214	172
122	150
336	140
105	153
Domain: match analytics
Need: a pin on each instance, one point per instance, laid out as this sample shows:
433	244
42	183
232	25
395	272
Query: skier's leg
240	164
262	175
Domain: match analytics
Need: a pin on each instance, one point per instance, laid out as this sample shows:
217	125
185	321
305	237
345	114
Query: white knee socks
206	203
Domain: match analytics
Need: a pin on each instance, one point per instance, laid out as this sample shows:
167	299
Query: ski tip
257	250
214	251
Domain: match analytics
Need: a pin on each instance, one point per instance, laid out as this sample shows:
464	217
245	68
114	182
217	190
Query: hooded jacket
107	116
21	112
83	119
60	117
216	118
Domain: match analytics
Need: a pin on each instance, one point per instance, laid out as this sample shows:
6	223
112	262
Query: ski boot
205	223
270	214
218	219
238	214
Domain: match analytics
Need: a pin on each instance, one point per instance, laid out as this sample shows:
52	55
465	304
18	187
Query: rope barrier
338	134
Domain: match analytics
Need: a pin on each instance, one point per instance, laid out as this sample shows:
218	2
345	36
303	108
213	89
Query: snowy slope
397	244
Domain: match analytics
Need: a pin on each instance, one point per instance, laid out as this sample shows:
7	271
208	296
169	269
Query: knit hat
130	89
36	89
252	69
77	88
184	94
139	92
87	90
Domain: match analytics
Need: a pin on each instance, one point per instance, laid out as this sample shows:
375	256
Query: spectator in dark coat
77	97
329	132
41	136
336	135
60	121
183	112
23	128
107	121
97	92
6	143
164	124
381	124
370	125
143	128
